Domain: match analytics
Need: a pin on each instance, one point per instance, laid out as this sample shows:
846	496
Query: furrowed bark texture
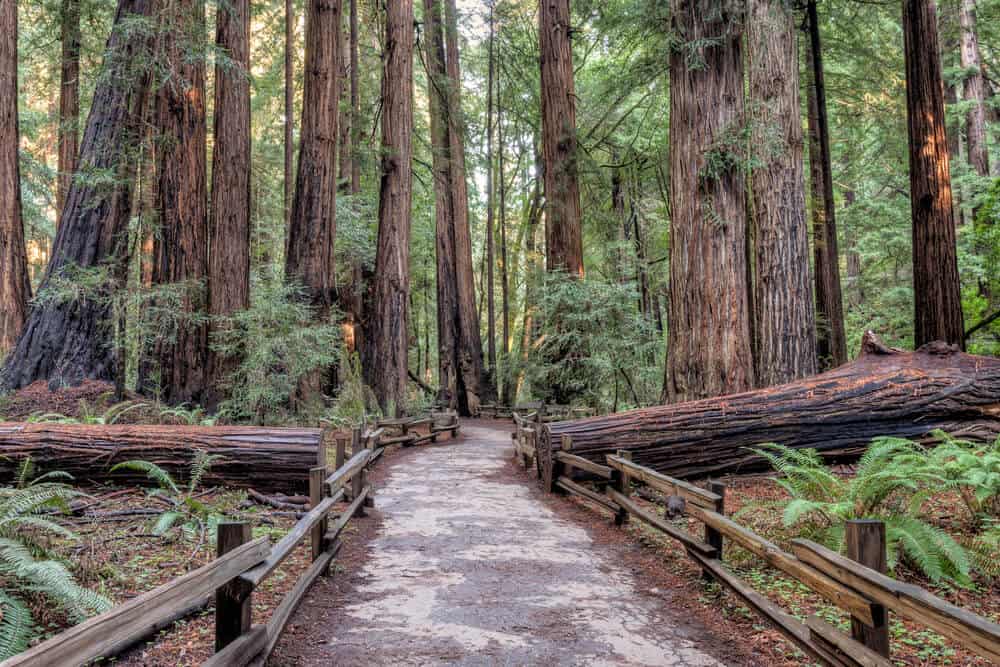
387	359
883	392
312	228
936	291
785	331
66	341
229	261
974	89
289	106
69	98
563	235
708	351
266	459
831	338
180	249
345	113
15	289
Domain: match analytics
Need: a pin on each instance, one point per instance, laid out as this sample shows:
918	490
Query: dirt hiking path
468	567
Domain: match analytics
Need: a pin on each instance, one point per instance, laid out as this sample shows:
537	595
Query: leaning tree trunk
936	289
386	367
266	459
885	392
563	235
708	350
229	259
15	289
175	369
69	99
66	338
785	328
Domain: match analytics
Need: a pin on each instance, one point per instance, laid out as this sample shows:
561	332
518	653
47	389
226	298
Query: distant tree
66	338
936	290
15	290
709	347
974	89
386	360
69	98
785	330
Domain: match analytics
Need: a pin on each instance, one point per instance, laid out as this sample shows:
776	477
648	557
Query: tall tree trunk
491	318
447	281
229	259
563	235
856	296
505	378
69	99
66	340
532	266
936	291
15	289
176	365
355	102
476	383
974	90
289	108
387	367
309	259
708	351
345	114
785	318
831	343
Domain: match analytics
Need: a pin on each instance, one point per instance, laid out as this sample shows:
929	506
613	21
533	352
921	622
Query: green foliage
27	566
278	343
184	511
355	402
893	479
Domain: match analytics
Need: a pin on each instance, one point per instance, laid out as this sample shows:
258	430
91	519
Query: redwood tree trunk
386	369
180	249
229	261
785	324
289	106
355	102
563	235
67	340
345	113
884	392
975	90
708	351
15	289
312	227
937	297
69	99
831	339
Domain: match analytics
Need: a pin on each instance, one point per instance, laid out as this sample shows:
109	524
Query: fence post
623	485
357	485
341	454
316	478
712	536
321	452
866	545
558	467
232	601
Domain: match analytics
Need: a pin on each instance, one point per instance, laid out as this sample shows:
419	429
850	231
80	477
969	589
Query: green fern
17	627
153	471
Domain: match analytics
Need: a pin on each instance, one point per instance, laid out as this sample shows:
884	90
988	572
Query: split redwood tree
15	290
386	363
563	235
176	367
936	292
229	228
708	351
66	338
785	330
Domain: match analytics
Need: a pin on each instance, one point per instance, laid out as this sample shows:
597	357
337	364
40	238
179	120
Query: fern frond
153	471
16	625
200	466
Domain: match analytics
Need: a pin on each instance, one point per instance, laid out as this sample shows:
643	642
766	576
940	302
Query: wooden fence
241	565
855	583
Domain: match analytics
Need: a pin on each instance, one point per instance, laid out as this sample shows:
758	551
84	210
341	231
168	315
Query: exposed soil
472	564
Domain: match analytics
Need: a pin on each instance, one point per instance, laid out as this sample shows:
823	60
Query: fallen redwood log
885	391
269	459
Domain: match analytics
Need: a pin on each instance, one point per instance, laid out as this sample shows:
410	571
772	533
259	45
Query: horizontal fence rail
856	584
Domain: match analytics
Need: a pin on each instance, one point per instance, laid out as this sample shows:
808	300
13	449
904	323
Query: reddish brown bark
785	330
15	290
229	261
831	344
312	227
66	341
708	351
289	107
355	101
69	98
563	235
176	369
386	367
936	291
345	112
884	392
974	89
